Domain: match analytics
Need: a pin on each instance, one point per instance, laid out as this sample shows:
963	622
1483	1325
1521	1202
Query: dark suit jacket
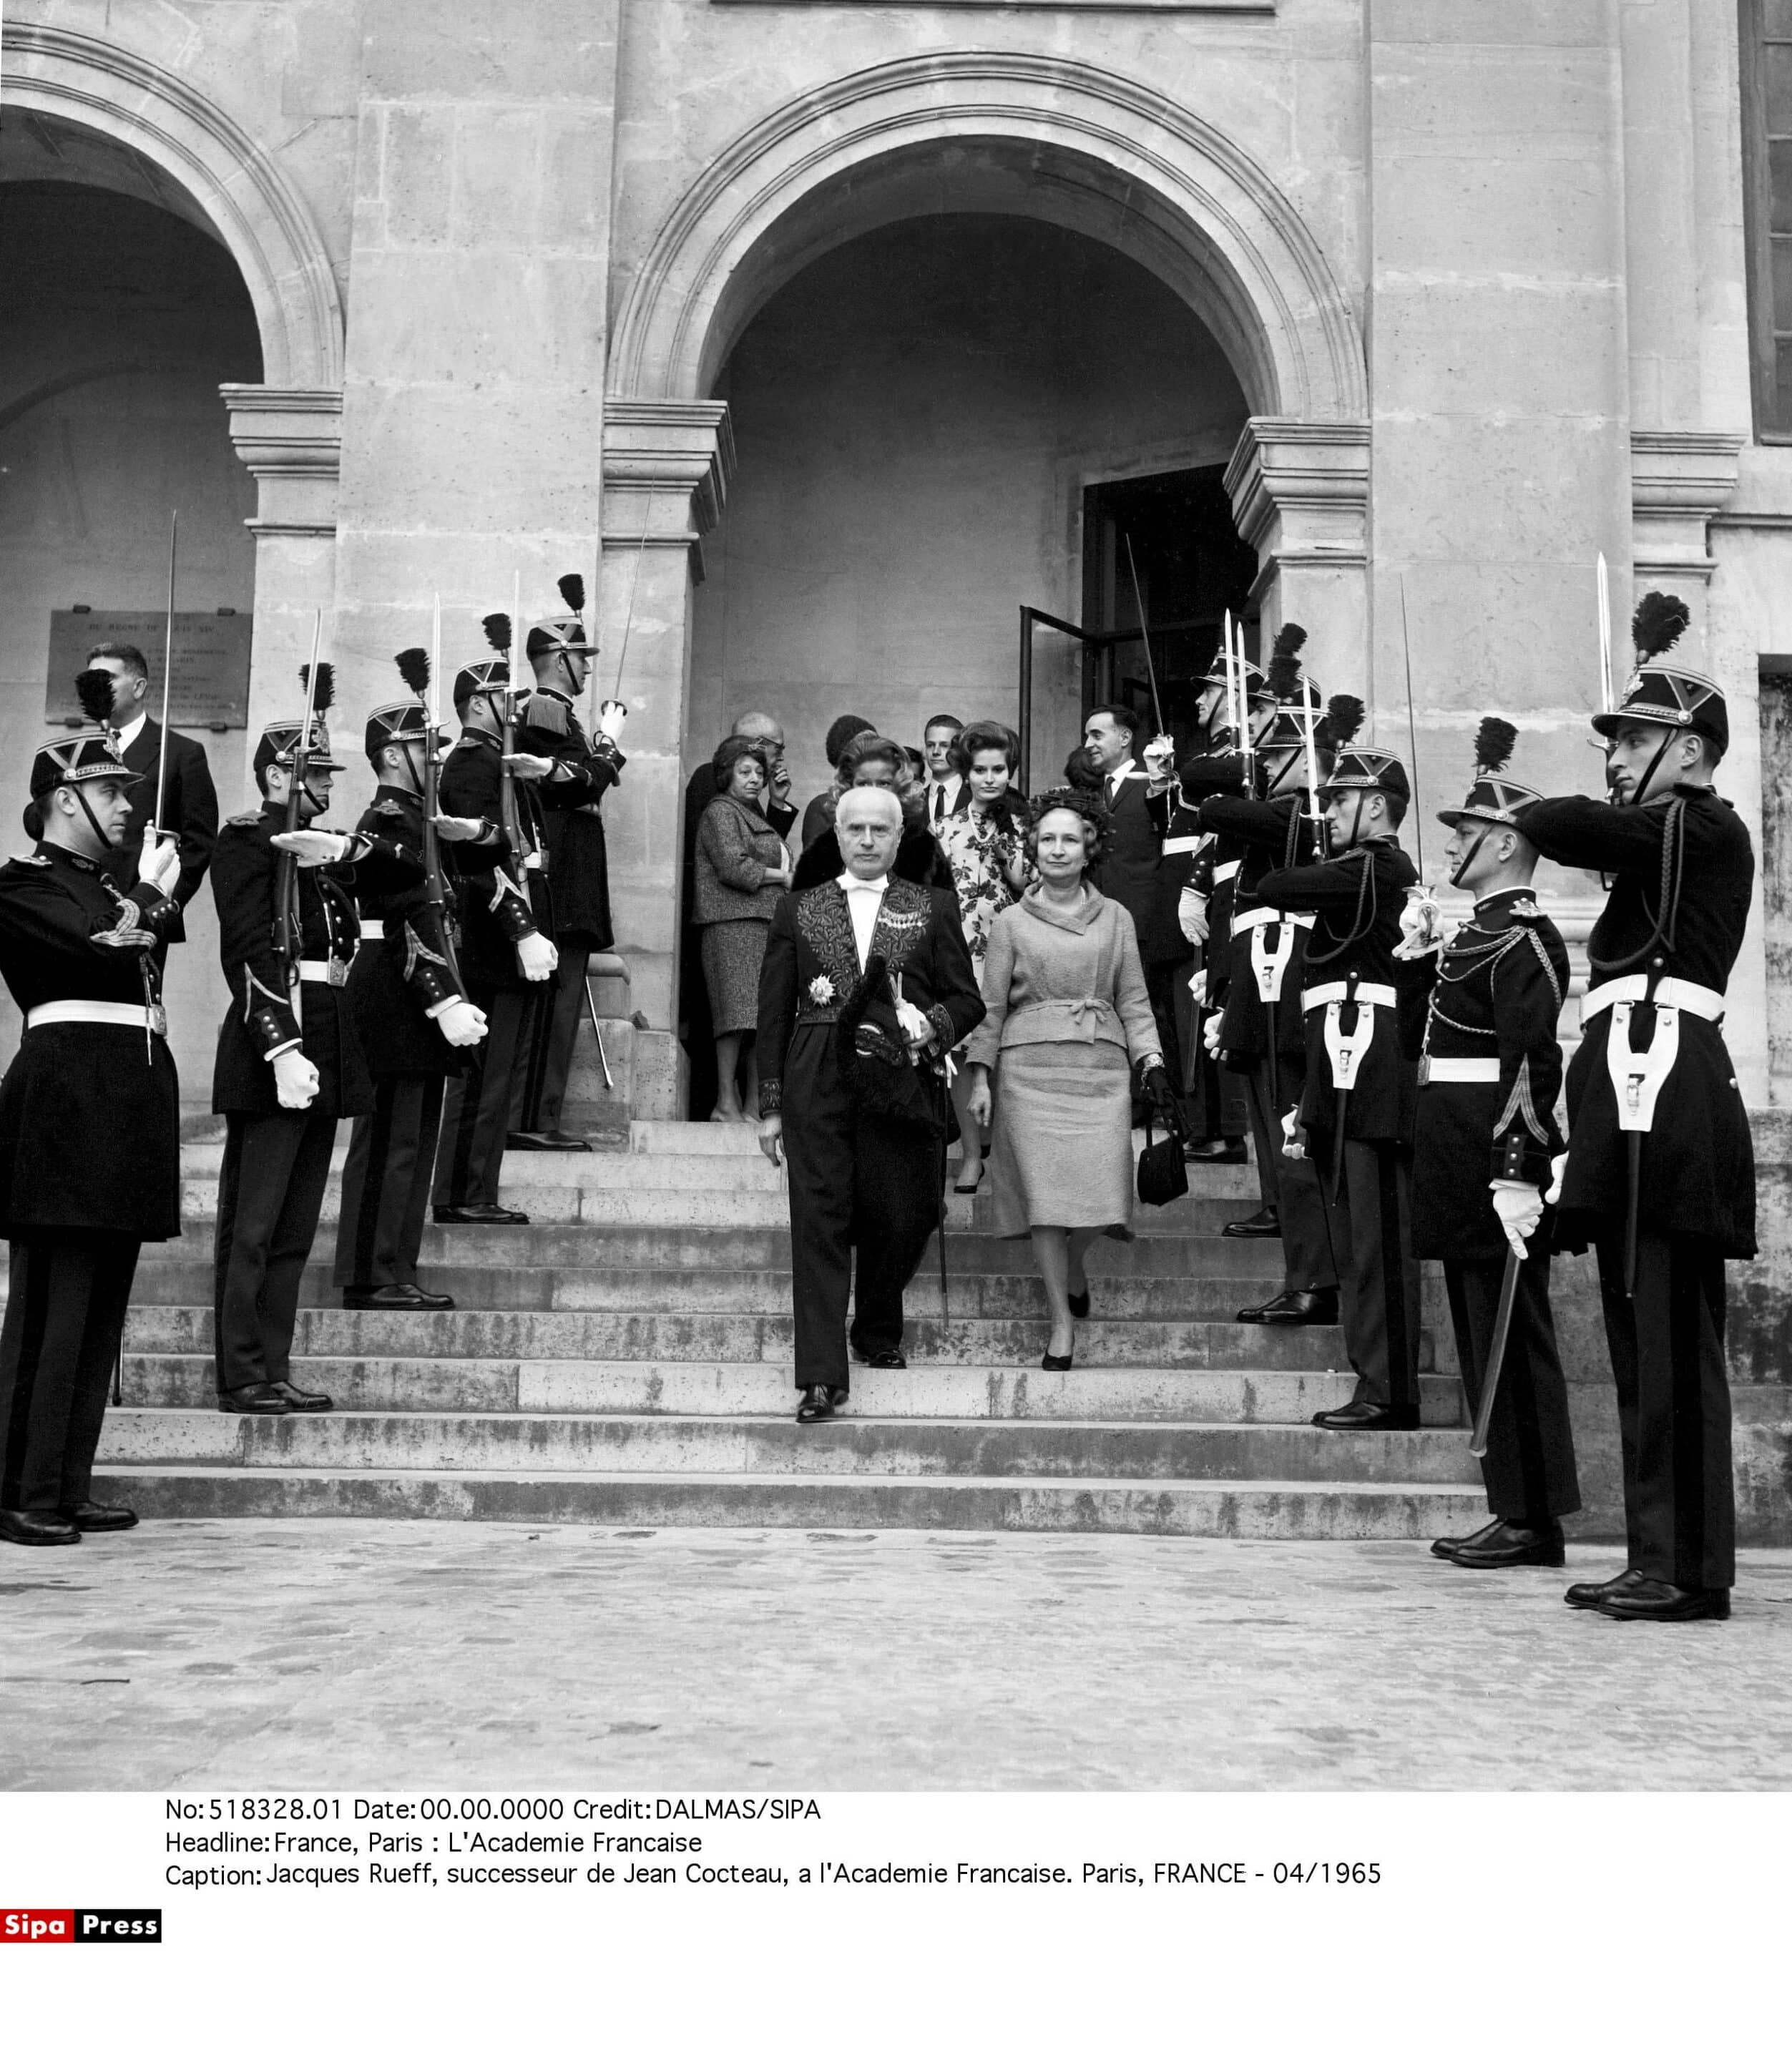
189	804
1128	874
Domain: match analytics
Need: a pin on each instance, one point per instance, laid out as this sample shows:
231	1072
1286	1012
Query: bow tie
855	886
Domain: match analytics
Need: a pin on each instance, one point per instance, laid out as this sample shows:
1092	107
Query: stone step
1192	1298
1017	1343
748	1249
692	1388
1265	1509
465	1441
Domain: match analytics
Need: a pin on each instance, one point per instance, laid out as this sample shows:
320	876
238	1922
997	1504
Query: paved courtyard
364	1655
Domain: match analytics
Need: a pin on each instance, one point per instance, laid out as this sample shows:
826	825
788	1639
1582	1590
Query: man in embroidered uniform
1261	1032
90	1128
505	952
584	769
413	1020
188	799
1489	1076
1660	1169
858	1175
289	1063
1357	1109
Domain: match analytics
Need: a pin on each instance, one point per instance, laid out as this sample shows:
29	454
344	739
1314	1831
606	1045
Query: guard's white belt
318	972
1255	919
121	1014
1686	994
1339	990
1449	1070
1177	847
1228	871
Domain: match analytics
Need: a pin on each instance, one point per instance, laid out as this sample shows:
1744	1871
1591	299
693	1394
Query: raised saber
1496	1353
1608	699
167	674
1145	631
1412	731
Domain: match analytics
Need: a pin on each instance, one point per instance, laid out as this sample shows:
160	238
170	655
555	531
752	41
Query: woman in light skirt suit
1067	1011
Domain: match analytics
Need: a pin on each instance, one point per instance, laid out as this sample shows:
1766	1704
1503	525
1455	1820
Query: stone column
291	439
666	470
1300	496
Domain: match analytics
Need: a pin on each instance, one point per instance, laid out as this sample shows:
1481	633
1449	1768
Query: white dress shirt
128	736
1118	778
863	899
942	797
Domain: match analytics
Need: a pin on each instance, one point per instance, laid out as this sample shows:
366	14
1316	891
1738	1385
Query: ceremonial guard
1489	1076
1357	1107
189	799
1660	1169
289	1062
559	657
1253	803
412	1015
90	1128
866	985
505	950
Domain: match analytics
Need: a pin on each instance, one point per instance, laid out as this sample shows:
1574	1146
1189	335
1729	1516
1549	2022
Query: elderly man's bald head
760	726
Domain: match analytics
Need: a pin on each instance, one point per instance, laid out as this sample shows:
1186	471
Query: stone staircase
626	1360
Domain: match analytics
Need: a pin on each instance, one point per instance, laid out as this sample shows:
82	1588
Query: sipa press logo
80	1927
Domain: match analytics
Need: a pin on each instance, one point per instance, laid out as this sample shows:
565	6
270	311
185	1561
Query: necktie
938	803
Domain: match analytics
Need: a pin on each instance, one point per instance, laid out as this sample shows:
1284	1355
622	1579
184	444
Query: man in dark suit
189	799
695	1028
856	1109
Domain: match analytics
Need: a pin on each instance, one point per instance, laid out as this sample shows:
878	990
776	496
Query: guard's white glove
1559	1166
526	765
460	829
1160	759
314	847
295	1079
915	1027
1294	1146
612	715
461	1024
1520	1207
1210	1033
158	865
536	957
1421	925
1192	915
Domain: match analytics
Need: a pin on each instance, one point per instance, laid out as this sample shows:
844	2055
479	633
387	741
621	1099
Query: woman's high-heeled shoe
1053	1363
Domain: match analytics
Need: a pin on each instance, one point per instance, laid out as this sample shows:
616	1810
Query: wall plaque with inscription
211	662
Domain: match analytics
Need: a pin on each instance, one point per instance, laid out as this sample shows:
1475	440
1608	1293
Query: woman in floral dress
984	842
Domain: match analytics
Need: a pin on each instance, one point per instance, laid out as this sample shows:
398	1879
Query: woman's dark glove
1163	1098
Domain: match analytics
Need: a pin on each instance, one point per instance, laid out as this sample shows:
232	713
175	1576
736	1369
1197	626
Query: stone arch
996	132
255	208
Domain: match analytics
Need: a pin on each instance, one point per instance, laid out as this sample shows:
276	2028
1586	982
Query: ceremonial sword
1496	1351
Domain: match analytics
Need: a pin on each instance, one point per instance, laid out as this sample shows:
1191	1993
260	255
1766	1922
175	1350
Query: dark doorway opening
1192	567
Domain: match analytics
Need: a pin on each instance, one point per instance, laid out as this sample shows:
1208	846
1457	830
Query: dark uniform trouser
555	1015
854	1181
1673	1406
64	1316
270	1194
386	1182
1529	1466
1378	1277
1161	982
1292	1185
476	1108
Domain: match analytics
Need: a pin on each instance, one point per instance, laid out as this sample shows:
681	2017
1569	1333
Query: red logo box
80	1927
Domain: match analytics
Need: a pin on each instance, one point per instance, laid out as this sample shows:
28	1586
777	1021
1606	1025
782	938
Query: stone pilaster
1679	480
1300	496
290	438
666	470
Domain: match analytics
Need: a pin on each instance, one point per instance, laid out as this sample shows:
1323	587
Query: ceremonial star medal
821	990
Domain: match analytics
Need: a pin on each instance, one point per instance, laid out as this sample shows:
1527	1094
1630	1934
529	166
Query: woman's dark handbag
874	1061
1162	1174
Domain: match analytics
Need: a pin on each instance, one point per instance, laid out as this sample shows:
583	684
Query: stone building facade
815	334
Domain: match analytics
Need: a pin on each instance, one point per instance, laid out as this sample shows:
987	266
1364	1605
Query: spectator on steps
818	818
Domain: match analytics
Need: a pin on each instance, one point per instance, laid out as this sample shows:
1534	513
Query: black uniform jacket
262	1018
496	908
401	970
812	966
920	860
1496	993
1182	845
1265	835
189	805
578	862
1358	897
1698	1160
90	1113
